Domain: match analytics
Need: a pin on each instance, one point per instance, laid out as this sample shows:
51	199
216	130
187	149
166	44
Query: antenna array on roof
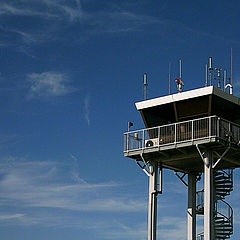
214	76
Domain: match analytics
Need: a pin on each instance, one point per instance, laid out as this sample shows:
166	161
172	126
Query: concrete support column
191	206
208	197
152	208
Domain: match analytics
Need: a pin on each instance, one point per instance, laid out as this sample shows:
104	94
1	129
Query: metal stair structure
223	212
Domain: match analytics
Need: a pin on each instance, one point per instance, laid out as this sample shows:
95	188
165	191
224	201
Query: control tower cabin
192	133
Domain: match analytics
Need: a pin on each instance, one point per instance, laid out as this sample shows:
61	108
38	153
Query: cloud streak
87	110
48	84
47	9
33	184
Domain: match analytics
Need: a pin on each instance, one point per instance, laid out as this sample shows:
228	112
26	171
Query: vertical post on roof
169	78
231	82
180	69
210	68
206	75
145	85
224	80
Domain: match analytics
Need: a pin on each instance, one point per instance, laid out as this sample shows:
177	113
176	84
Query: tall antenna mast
206	75
210	68
231	82
145	85
169	78
180	69
179	81
224	80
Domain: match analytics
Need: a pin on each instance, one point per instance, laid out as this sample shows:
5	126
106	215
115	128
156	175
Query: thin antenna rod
224	80
169	78
231	82
180	69
206	75
210	67
145	84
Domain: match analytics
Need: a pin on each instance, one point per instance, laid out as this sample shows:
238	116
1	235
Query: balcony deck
174	145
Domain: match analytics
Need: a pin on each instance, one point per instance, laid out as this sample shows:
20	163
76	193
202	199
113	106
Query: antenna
224	79
210	68
206	75
180	69
145	85
169	78
219	77
231	81
179	81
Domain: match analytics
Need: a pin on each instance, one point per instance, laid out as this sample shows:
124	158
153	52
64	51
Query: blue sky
70	73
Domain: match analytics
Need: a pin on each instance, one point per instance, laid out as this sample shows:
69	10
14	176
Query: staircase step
223	180
224	184
223	192
223	226
228	185
223	233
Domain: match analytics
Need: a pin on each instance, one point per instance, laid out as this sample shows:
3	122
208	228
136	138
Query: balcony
168	141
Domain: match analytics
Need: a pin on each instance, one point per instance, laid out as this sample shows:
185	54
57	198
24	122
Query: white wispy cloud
38	184
49	84
70	10
172	228
10	216
123	231
44	196
87	110
56	15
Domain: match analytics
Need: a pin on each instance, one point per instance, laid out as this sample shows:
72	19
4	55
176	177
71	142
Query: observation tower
193	133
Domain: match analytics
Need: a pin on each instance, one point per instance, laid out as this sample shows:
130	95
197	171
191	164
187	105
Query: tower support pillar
152	208
191	206
208	196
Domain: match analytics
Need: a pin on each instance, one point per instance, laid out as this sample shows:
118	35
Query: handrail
200	236
200	200
229	216
196	129
165	125
229	174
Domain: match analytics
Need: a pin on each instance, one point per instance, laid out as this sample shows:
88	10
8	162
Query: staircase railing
200	202
223	220
223	213
223	180
200	236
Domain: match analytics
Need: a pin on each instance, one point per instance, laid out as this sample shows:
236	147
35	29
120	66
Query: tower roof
187	105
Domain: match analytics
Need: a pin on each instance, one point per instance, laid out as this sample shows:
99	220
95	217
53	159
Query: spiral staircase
223	213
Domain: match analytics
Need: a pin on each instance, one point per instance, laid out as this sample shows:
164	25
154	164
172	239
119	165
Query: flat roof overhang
188	105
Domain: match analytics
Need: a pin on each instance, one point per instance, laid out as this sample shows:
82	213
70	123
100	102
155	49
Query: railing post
229	129
210	127
143	139
127	142
192	131
175	131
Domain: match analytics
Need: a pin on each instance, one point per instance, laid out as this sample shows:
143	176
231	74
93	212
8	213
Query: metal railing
191	130
200	201
200	236
224	210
